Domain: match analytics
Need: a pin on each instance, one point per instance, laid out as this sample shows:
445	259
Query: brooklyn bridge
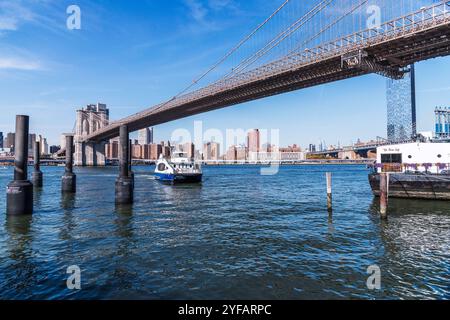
301	44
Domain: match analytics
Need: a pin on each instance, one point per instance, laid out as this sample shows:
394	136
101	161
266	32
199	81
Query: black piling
37	177
329	192
130	160
19	193
69	179
124	183
384	195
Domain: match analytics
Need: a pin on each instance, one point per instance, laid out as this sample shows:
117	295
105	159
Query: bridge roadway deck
393	49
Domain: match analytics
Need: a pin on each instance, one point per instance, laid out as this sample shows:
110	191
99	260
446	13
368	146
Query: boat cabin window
161	167
391	158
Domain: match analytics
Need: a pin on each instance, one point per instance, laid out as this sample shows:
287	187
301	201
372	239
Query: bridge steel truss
386	50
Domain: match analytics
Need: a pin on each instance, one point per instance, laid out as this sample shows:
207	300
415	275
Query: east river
239	235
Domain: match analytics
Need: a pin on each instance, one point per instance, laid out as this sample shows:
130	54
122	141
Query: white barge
416	170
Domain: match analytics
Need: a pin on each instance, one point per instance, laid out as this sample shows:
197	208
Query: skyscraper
401	107
43	145
145	136
1	140
10	140
211	151
253	141
31	141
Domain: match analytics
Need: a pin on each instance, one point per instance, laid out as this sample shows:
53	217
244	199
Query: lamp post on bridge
124	183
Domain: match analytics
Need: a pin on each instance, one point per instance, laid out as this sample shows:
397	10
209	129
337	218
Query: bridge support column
90	154
80	154
124	183
100	156
37	173
69	179
19	193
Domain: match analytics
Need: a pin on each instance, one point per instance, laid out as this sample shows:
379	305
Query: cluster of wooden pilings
19	193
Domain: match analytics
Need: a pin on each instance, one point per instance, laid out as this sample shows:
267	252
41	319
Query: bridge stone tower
89	120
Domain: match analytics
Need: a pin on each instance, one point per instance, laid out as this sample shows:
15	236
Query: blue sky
134	54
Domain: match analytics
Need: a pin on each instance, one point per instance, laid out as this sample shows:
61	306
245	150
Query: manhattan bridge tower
401	108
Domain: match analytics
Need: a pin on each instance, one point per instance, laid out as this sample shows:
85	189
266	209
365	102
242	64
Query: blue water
239	235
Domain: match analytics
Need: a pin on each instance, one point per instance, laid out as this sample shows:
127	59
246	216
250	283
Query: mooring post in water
69	179
329	193
37	173
384	196
130	160
19	193
124	184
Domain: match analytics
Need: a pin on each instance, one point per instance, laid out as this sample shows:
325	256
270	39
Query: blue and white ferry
179	169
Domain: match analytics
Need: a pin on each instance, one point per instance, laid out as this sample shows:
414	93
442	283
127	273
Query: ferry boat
416	170
179	169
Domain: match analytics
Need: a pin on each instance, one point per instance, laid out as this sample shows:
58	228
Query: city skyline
323	113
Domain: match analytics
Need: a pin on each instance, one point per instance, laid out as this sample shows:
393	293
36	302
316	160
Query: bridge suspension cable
224	58
234	49
280	37
328	27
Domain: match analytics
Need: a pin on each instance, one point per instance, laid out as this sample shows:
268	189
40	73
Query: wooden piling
384	194
329	192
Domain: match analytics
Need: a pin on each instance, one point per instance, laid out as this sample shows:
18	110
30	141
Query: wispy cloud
205	13
197	10
12	14
19	64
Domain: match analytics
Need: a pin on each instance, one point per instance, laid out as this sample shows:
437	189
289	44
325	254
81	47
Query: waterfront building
43	145
241	153
10	140
1	140
267	147
189	148
231	154
54	149
167	151
31	141
211	151
145	136
285	155
112	149
253	140
136	151
155	151
146	152
292	156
